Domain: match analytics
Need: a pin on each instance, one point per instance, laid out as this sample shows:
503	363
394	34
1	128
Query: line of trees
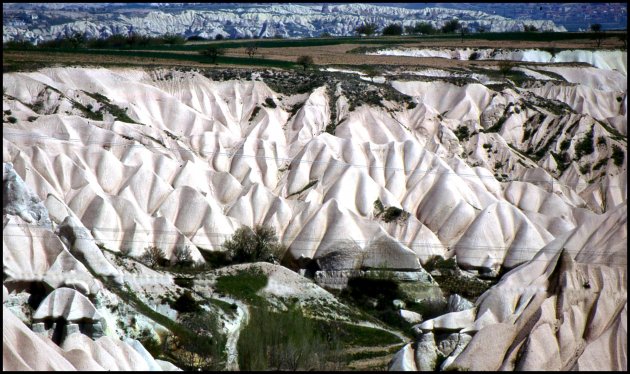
424	28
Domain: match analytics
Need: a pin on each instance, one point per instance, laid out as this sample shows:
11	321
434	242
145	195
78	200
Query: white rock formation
196	164
68	304
249	20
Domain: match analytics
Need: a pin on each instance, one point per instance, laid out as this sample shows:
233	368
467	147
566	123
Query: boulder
409	316
454	321
403	360
457	303
426	353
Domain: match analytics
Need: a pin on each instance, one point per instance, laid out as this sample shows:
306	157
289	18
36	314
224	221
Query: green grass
227	308
360	336
373	354
286	341
314	42
222	60
243	286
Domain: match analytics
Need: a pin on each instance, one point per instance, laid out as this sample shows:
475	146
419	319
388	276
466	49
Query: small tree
213	53
305	61
251	50
183	256
599	34
218	37
505	67
153	257
368	29
463	31
530	28
252	245
451	26
424	28
393	30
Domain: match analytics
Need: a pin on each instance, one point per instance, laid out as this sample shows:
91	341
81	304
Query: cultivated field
283	53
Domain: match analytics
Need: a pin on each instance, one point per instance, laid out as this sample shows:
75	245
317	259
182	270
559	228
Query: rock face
466	173
68	304
82	245
25	350
19	200
559	311
250	20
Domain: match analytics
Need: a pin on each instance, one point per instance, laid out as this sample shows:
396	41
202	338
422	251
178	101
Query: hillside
517	177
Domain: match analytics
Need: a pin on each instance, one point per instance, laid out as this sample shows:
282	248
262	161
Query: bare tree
183	256
599	34
152	257
463	31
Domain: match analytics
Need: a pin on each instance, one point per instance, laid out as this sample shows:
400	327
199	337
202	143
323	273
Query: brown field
322	55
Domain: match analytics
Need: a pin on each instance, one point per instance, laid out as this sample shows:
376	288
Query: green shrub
585	146
186	303
566	143
254	113
184	282
12	119
618	155
270	103
392	30
462	133
392	213
439	263
600	163
474	56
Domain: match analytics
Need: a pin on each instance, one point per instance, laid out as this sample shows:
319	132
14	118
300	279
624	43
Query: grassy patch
243	286
227	308
286	341
361	336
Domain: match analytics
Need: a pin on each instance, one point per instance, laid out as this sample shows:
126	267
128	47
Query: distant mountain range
42	22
